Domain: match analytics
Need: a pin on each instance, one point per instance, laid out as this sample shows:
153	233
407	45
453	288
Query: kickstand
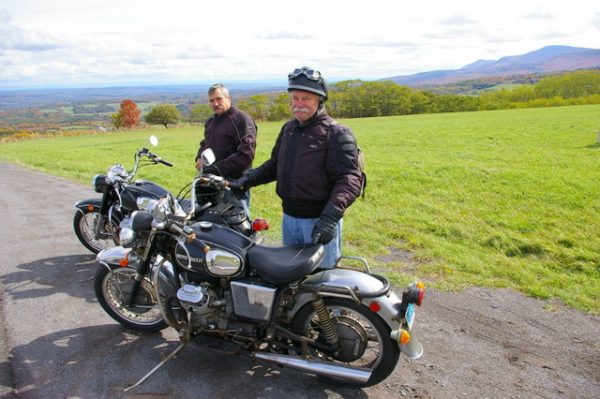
166	359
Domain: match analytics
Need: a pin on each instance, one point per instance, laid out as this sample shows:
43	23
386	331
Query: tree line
360	99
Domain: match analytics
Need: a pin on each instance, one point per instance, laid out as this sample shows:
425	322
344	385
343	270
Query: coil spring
327	327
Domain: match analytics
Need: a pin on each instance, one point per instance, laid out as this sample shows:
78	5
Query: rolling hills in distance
518	68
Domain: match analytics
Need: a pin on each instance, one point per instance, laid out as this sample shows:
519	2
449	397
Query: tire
83	224
112	289
353	323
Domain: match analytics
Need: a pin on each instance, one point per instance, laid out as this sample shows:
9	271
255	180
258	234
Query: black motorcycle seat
281	265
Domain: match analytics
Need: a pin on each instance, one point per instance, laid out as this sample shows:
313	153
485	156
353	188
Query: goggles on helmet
310	73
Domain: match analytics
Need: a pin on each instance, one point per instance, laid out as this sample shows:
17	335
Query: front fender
85	204
113	256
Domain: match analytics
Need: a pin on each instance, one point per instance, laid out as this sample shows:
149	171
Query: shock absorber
327	327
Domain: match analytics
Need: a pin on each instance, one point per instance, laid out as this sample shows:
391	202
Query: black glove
247	180
211	170
325	228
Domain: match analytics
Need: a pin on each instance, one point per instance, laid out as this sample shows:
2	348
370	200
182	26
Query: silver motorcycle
225	290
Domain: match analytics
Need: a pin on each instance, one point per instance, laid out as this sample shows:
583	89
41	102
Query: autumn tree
128	115
166	114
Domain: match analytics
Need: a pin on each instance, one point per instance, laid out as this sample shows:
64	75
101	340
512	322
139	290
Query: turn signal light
402	336
90	208
124	262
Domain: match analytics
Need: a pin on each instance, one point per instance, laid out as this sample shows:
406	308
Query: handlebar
213	181
144	152
189	235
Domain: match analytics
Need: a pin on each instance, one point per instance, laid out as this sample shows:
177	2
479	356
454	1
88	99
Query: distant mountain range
545	60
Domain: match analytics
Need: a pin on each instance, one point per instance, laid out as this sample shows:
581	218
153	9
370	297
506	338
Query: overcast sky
107	42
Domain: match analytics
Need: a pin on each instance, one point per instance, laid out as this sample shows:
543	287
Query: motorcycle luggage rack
358	259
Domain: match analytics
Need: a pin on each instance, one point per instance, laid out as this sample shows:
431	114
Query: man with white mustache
315	164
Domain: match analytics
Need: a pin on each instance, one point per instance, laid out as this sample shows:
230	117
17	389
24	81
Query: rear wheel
113	290
84	223
364	338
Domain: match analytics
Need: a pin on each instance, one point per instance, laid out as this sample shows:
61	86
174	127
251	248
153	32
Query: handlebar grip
169	164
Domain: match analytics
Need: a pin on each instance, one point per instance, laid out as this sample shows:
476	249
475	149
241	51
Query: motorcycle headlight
126	236
126	233
99	183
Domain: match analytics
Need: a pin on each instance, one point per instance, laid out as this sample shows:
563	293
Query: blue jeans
299	230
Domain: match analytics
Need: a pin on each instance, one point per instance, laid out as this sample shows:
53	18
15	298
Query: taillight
416	294
374	306
260	225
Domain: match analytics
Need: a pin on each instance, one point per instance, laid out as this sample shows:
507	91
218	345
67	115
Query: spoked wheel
363	336
113	289
84	223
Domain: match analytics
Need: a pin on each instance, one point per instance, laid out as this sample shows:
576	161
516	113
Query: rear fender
335	281
354	285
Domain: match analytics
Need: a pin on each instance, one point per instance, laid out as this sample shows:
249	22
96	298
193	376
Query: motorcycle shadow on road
72	274
102	361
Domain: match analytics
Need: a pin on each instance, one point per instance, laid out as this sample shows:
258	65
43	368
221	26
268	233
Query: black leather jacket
314	164
232	136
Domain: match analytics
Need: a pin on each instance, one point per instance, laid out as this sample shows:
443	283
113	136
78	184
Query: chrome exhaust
318	367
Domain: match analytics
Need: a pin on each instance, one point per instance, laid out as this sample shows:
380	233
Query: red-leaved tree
128	115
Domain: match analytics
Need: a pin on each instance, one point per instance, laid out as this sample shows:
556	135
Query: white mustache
299	109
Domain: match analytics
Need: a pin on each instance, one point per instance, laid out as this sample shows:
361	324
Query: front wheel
113	289
84	224
364	338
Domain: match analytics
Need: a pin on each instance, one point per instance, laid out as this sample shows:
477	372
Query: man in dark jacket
231	134
315	164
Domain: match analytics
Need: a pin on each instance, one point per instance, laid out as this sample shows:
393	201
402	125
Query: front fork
100	221
143	267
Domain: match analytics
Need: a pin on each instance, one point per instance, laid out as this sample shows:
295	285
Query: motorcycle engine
210	312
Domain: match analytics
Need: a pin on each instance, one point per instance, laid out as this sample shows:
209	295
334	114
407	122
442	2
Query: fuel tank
225	258
140	188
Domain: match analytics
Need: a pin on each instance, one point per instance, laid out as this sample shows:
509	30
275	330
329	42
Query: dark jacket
314	164
232	136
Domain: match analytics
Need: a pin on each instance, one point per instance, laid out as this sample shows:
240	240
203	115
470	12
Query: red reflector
260	225
375	306
421	296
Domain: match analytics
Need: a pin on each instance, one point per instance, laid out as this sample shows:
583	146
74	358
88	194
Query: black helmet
308	79
205	194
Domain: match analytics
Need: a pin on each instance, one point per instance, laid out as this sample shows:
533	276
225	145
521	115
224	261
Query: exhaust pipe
318	367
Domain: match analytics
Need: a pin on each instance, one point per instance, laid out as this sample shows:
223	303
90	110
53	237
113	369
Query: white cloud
105	41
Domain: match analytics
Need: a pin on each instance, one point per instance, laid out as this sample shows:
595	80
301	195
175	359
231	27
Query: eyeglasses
310	73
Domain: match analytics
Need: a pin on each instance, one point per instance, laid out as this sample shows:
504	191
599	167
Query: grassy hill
499	199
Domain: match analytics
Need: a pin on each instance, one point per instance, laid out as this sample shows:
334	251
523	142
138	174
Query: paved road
58	342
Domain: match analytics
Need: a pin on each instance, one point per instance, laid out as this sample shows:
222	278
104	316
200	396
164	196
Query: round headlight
126	236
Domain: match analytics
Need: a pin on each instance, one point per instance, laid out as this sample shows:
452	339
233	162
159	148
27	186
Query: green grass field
498	199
